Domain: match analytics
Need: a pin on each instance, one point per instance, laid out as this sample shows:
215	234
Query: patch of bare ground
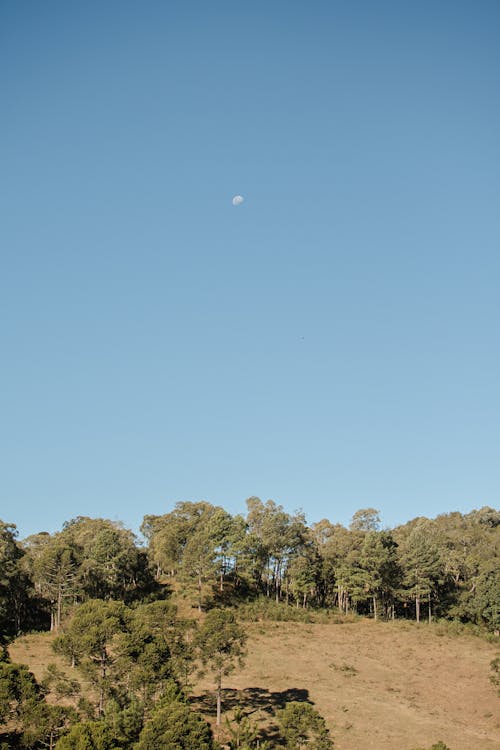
390	686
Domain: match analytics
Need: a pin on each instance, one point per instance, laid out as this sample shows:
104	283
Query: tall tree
423	568
14	583
378	560
90	634
275	537
221	647
365	519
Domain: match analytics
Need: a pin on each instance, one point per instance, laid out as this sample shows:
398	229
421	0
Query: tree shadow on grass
253	700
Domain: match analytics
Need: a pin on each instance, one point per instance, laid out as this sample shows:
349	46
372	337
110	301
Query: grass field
386	686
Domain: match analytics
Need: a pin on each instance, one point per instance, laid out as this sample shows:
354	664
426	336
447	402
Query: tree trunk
417	607
59	608
374	607
103	677
430	609
219	701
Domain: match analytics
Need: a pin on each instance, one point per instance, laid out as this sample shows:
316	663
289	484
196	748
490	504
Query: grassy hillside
390	686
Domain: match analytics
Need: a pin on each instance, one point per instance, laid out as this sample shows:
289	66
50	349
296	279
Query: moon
237	200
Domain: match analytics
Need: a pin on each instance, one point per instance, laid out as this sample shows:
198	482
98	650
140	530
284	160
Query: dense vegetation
107	598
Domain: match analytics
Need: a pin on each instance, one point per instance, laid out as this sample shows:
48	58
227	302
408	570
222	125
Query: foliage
302	727
22	705
87	640
221	646
174	726
55	679
90	735
14	583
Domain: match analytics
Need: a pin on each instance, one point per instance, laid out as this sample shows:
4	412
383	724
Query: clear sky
333	343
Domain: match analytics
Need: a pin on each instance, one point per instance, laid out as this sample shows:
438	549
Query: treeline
107	598
447	567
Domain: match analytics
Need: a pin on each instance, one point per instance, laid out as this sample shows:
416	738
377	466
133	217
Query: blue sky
333	342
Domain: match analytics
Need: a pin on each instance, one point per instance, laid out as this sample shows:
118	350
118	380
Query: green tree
89	735
422	567
43	724
18	688
221	647
366	519
481	603
14	583
382	574
89	635
174	726
303	727
54	571
203	554
154	650
303	574
111	565
244	734
192	540
23	706
275	538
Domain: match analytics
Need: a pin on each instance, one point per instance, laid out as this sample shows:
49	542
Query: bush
268	609
301	725
174	726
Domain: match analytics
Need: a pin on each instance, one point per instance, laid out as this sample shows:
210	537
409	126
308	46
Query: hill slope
390	686
386	686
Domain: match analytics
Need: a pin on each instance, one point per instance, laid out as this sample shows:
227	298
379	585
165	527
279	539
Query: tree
14	583
482	602
193	540
221	646
23	706
174	726
275	537
422	567
244	733
203	555
366	519
89	635
303	727
111	566
55	570
43	724
18	687
153	651
381	570
89	735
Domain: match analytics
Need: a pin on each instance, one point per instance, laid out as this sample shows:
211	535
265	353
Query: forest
112	602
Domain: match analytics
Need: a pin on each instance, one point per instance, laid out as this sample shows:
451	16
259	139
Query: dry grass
35	650
386	686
